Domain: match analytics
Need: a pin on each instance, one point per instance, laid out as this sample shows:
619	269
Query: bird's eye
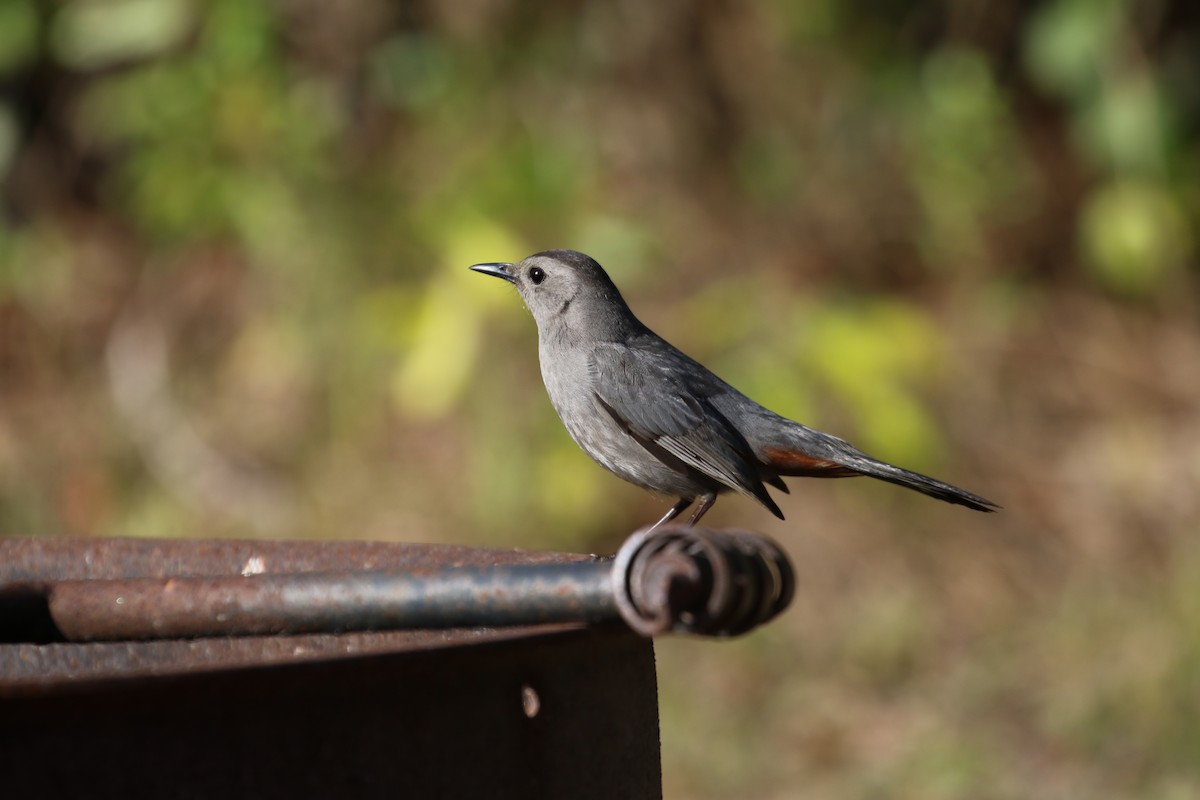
537	275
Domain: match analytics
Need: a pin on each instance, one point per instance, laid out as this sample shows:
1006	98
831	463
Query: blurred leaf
1135	236
471	239
1125	128
385	318
89	34
873	356
959	87
153	515
966	161
1067	43
855	345
896	426
809	23
18	35
1087	53
438	364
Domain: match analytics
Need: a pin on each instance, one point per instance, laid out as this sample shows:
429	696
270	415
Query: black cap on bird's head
564	287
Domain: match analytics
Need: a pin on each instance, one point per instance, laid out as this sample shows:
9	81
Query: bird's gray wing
661	398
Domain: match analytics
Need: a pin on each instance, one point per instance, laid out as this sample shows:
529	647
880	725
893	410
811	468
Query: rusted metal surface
34	560
692	580
32	669
678	579
172	706
495	596
35	655
542	715
683	579
535	711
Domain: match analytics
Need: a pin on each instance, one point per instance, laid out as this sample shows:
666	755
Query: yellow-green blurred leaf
91	34
445	344
1135	236
18	35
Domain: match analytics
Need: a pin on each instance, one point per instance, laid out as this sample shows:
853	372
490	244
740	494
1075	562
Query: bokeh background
234	301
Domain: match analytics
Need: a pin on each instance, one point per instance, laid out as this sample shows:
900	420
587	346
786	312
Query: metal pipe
670	579
154	608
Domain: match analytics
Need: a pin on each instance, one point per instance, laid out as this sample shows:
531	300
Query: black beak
498	269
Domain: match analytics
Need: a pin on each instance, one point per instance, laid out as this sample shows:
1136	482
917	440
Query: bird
653	416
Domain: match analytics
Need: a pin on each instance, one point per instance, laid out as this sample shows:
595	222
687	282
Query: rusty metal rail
170	608
694	580
671	579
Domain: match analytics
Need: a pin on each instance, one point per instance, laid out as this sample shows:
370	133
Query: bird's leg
706	502
674	512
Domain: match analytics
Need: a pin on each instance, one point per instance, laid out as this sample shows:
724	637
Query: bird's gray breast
572	385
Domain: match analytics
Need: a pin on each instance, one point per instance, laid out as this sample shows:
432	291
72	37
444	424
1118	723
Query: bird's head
567	292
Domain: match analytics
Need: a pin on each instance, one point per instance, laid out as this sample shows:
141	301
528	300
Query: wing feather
657	397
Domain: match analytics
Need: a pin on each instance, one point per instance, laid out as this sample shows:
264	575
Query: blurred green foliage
234	302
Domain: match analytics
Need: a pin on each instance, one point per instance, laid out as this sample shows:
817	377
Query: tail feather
865	465
819	455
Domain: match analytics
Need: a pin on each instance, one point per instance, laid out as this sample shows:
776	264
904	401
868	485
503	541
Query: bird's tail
819	455
865	465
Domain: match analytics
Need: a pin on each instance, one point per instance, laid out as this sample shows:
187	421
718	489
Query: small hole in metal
530	701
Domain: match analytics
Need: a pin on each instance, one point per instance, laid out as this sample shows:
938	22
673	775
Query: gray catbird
651	415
